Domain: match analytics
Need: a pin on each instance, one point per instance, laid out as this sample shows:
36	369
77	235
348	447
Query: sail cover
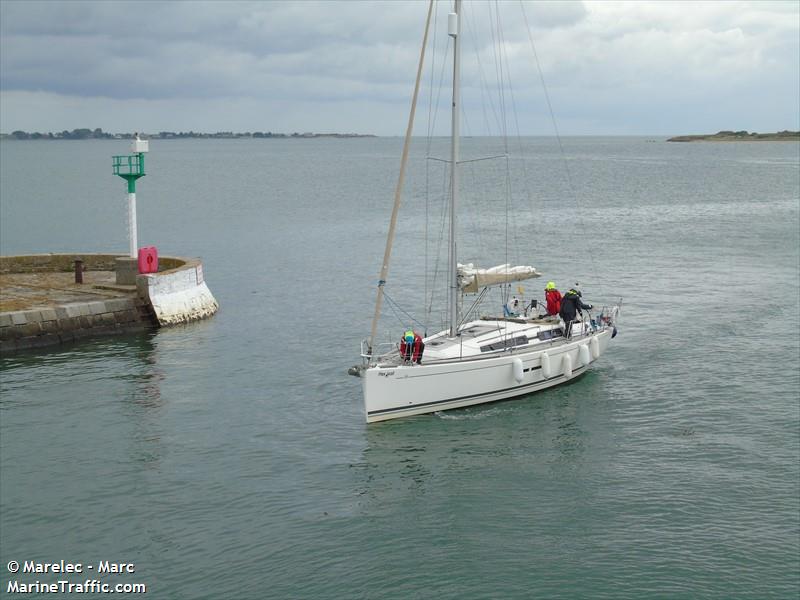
472	279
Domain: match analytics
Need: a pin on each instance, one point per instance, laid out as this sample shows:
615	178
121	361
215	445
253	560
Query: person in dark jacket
571	305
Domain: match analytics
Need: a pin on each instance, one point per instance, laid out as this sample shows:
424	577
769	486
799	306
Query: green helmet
550	286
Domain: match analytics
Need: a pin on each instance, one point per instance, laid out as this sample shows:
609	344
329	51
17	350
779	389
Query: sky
609	68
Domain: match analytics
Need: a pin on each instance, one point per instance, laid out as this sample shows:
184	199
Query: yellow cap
550	286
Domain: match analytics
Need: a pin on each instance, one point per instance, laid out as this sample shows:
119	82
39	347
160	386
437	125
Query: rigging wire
484	192
570	185
440	244
504	55
502	75
432	84
427	164
432	117
399	187
472	216
484	88
502	113
523	160
500	49
396	307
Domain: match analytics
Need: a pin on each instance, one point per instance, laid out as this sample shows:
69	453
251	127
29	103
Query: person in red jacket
412	346
553	298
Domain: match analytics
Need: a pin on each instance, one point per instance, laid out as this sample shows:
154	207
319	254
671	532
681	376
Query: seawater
229	458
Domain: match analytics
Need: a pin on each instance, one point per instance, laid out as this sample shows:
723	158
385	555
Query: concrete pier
42	305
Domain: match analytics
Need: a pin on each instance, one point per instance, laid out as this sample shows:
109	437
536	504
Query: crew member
571	305
419	348
407	345
553	298
412	346
513	308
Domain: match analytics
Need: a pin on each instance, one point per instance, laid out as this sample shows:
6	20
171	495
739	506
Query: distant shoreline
99	134
740	136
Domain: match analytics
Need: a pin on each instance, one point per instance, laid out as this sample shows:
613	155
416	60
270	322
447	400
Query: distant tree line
75	134
99	134
221	134
741	135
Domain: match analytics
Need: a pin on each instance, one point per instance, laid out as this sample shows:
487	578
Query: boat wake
472	414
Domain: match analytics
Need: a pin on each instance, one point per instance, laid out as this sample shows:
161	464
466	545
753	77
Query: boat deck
490	336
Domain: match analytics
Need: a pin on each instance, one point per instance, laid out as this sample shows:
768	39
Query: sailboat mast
453	25
398	192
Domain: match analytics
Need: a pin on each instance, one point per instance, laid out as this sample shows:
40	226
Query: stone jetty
41	303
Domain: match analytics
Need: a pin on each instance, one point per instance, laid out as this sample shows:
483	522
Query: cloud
187	61
178	49
666	67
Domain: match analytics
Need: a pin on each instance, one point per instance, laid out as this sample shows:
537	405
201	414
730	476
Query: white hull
393	391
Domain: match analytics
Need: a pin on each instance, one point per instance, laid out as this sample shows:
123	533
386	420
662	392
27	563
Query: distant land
740	136
99	134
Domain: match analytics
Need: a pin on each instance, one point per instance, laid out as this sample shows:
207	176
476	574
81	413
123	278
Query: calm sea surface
230	458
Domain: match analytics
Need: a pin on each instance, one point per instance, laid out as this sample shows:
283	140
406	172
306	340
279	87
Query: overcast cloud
610	67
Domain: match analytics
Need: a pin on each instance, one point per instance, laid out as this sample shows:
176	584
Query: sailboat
477	358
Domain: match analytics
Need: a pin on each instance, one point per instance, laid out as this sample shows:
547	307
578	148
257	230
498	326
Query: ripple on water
233	454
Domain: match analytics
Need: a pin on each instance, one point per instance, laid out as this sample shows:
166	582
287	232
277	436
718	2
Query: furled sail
472	279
